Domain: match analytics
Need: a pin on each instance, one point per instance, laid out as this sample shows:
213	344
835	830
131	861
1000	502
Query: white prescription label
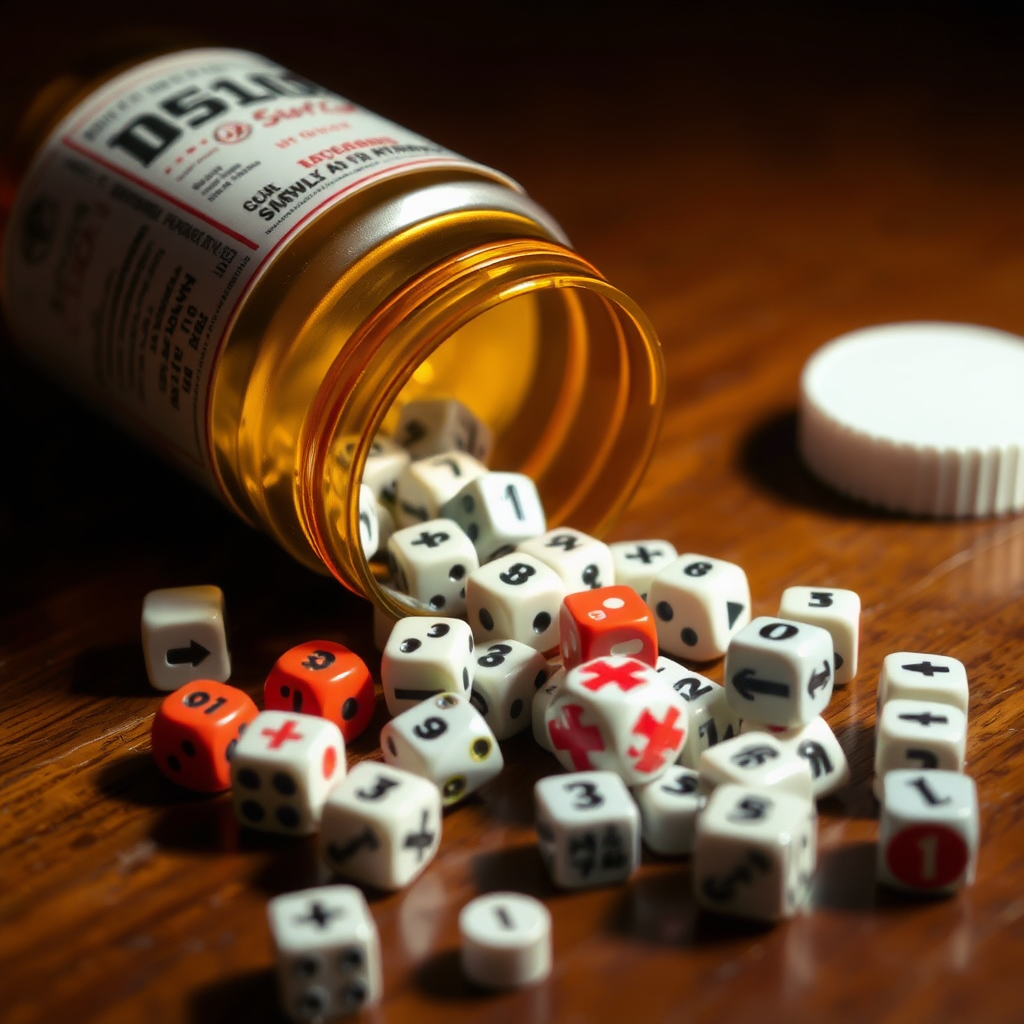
152	209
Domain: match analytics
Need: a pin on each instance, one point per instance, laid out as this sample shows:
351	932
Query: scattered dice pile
582	642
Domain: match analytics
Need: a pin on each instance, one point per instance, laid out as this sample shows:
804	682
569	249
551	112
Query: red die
326	679
604	622
195	731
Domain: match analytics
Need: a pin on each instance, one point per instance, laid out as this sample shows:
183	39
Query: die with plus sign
327	952
928	831
430	562
498	511
710	717
446	740
588	828
833	609
754	853
918	734
933	677
606	621
282	769
506	677
637	562
430	426
515	597
699	603
779	672
183	636
321	677
425	486
425	656
195	732
583	562
381	826
615	714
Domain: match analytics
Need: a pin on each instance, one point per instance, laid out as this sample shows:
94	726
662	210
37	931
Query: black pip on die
282	769
328	953
430	562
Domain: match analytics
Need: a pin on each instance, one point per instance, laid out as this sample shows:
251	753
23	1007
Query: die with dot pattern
606	621
327	951
430	562
583	562
321	677
425	486
425	656
195	732
506	676
833	609
446	740
381	826
699	604
283	768
515	597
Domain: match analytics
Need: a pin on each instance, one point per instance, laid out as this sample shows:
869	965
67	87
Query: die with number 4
328	952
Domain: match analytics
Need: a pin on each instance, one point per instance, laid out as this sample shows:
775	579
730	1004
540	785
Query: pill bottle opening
564	369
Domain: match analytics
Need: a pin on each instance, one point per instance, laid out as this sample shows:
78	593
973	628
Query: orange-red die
195	731
326	679
608	621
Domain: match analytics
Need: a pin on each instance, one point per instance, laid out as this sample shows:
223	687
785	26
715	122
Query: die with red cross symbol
614	714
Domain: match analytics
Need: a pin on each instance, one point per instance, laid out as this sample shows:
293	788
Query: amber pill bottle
255	274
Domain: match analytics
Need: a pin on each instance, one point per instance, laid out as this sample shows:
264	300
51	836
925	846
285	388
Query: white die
758	760
935	677
505	679
836	610
817	744
779	672
637	562
614	714
381	826
384	462
668	811
466	758
431	562
369	522
282	770
425	486
710	717
505	940
425	656
918	734
497	511
515	596
539	709
588	828
327	951
583	562
428	426
928	831
699	603
754	853
183	636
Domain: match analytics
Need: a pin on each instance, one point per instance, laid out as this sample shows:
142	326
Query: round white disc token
506	940
925	418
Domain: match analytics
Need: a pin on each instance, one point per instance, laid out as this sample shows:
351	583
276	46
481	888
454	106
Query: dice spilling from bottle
587	645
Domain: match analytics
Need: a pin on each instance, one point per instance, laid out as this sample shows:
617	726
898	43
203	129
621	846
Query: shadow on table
249	997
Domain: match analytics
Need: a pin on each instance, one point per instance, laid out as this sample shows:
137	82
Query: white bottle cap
925	418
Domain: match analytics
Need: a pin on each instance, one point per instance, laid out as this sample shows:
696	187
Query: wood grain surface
760	178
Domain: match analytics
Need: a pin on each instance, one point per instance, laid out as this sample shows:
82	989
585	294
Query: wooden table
761	179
